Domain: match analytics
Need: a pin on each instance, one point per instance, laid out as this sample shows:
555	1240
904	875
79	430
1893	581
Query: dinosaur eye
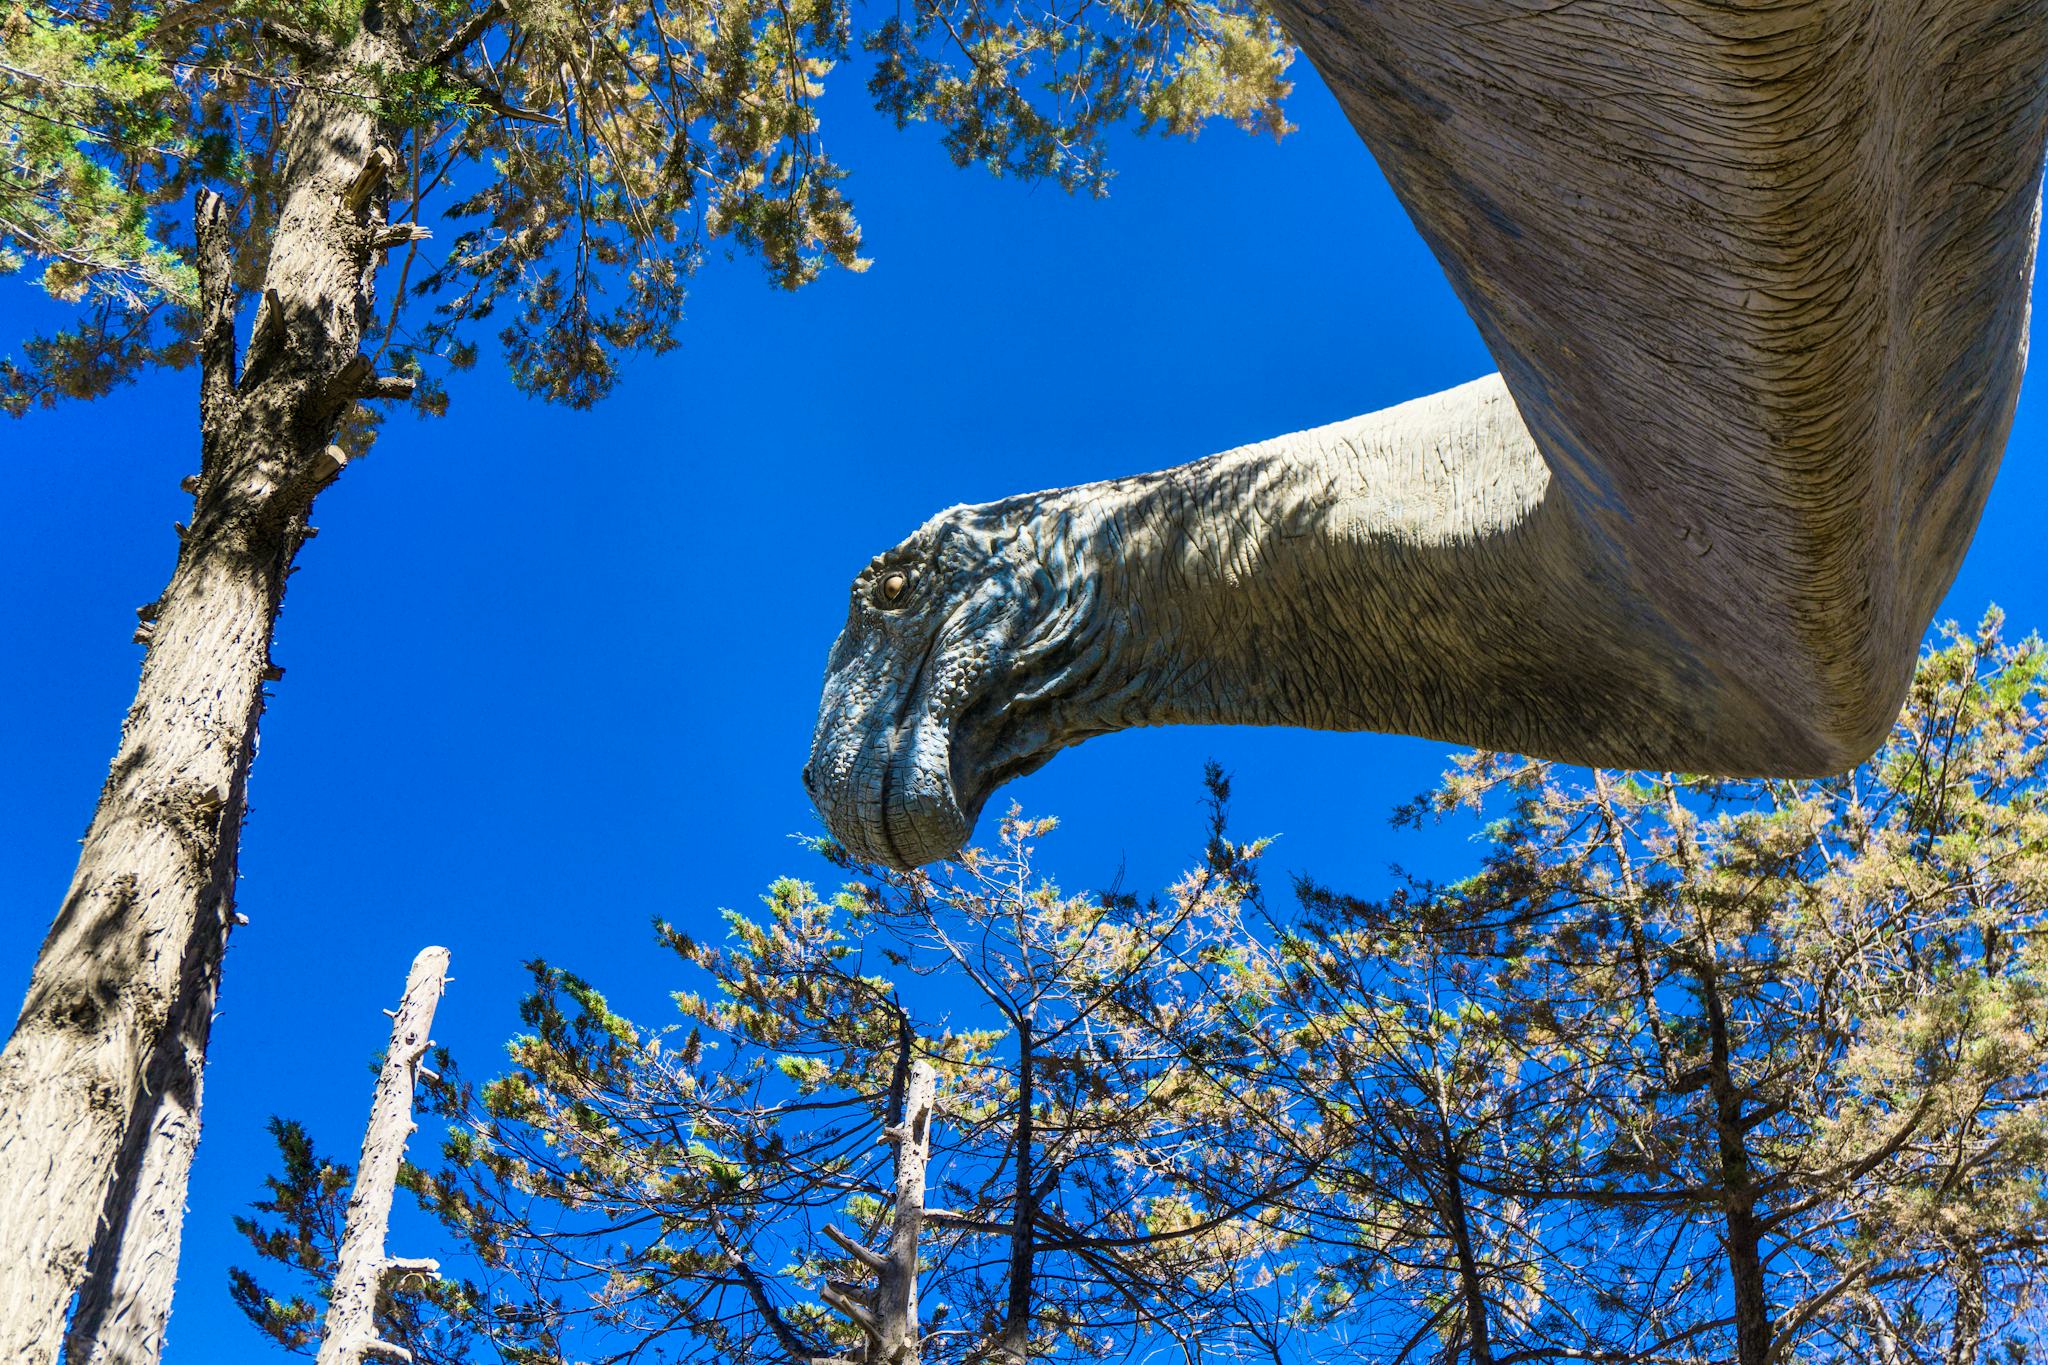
892	587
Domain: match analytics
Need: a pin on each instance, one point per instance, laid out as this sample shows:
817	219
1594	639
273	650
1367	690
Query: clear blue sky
552	674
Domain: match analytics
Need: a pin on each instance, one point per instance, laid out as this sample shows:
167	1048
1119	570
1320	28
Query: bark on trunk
896	1299
889	1314
1746	1274
349	1334
99	1083
1884	1336
1743	1235
1014	1346
125	1303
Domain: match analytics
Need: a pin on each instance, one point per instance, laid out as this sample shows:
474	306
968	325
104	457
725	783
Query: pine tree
715	1191
249	187
1689	1072
1727	1070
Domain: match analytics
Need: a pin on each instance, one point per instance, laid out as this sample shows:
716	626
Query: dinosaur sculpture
1756	276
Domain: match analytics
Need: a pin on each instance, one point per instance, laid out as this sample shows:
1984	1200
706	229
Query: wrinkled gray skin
1757	281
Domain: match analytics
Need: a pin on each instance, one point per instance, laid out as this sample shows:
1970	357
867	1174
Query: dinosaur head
959	648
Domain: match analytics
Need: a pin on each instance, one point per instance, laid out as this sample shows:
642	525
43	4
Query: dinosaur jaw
888	793
910	794
901	766
886	770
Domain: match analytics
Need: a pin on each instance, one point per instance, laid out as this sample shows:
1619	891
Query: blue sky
551	674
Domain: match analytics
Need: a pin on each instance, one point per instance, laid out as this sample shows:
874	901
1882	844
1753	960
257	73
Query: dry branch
350	1333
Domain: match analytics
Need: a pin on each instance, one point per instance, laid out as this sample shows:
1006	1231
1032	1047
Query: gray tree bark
99	1084
890	1316
124	1306
896	1297
349	1334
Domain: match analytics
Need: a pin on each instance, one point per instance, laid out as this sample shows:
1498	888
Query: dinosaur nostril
809	785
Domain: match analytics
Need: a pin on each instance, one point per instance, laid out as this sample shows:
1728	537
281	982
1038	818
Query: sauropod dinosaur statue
1756	277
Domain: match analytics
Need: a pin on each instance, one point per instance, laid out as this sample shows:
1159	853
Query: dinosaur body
1757	281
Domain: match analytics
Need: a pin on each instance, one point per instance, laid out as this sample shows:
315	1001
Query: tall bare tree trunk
1013	1346
896	1293
888	1314
99	1084
124	1305
349	1334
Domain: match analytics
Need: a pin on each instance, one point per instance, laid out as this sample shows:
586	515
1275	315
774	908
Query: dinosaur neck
1415	570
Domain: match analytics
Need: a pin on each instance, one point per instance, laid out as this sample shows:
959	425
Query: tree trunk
1471	1286
1966	1275
1743	1235
1014	1345
896	1300
121	994
1746	1275
349	1334
888	1314
1883	1335
125	1303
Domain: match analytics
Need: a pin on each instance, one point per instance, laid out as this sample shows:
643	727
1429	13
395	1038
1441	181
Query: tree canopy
715	1190
586	155
253	187
1689	1070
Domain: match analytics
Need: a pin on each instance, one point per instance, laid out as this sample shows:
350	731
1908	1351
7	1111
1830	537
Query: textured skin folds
1756	277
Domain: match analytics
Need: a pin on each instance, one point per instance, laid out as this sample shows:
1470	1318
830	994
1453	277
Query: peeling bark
99	1084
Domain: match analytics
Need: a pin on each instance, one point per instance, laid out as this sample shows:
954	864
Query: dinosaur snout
887	794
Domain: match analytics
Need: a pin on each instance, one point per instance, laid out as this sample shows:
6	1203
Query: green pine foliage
298	1231
577	161
628	1189
67	205
1679	1031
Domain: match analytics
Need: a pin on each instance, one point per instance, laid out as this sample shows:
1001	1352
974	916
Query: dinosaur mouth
916	807
891	795
908	793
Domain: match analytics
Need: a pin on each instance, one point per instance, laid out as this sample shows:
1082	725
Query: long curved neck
1413	570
